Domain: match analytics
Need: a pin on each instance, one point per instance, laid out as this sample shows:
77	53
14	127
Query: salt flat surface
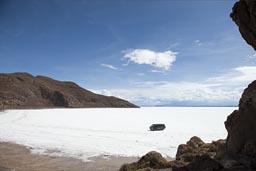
84	133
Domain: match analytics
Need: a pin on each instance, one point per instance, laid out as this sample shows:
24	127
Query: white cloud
247	70
161	60
248	73
222	90
156	71
198	42
109	66
236	76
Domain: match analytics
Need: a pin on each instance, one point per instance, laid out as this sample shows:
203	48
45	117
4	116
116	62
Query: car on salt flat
157	127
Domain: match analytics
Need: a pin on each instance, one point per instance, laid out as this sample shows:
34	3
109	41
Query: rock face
203	162
22	90
244	15
241	124
194	155
196	147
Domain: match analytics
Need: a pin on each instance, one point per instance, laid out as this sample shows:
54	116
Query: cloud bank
161	60
220	91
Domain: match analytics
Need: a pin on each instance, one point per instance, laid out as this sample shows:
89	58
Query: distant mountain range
23	91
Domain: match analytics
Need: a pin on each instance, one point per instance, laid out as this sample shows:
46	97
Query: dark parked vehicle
157	127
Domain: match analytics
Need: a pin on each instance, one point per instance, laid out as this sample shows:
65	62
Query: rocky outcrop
204	163
194	155
244	15
196	147
152	160
22	90
241	124
241	127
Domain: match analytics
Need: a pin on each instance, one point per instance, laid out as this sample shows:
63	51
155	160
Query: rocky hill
22	90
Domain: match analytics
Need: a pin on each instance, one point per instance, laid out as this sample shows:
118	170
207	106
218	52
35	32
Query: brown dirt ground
14	157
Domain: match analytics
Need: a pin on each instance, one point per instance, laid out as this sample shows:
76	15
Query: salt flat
85	133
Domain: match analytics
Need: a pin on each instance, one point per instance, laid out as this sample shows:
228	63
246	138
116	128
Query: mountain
23	90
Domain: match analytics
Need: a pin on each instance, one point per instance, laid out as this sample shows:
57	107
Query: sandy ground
14	157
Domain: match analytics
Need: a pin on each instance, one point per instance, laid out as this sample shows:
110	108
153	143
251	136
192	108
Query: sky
150	52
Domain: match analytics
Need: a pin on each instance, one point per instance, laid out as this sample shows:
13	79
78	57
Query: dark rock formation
241	127
203	162
241	124
244	15
195	155
195	142
152	160
22	90
196	147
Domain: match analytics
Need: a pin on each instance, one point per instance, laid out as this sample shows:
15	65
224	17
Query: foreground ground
18	158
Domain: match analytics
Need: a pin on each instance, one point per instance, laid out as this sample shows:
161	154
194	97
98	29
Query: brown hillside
22	90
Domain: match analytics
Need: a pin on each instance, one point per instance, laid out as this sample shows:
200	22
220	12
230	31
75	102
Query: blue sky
164	52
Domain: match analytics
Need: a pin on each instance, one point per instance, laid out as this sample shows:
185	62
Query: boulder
196	147
195	142
152	160
182	149
194	155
